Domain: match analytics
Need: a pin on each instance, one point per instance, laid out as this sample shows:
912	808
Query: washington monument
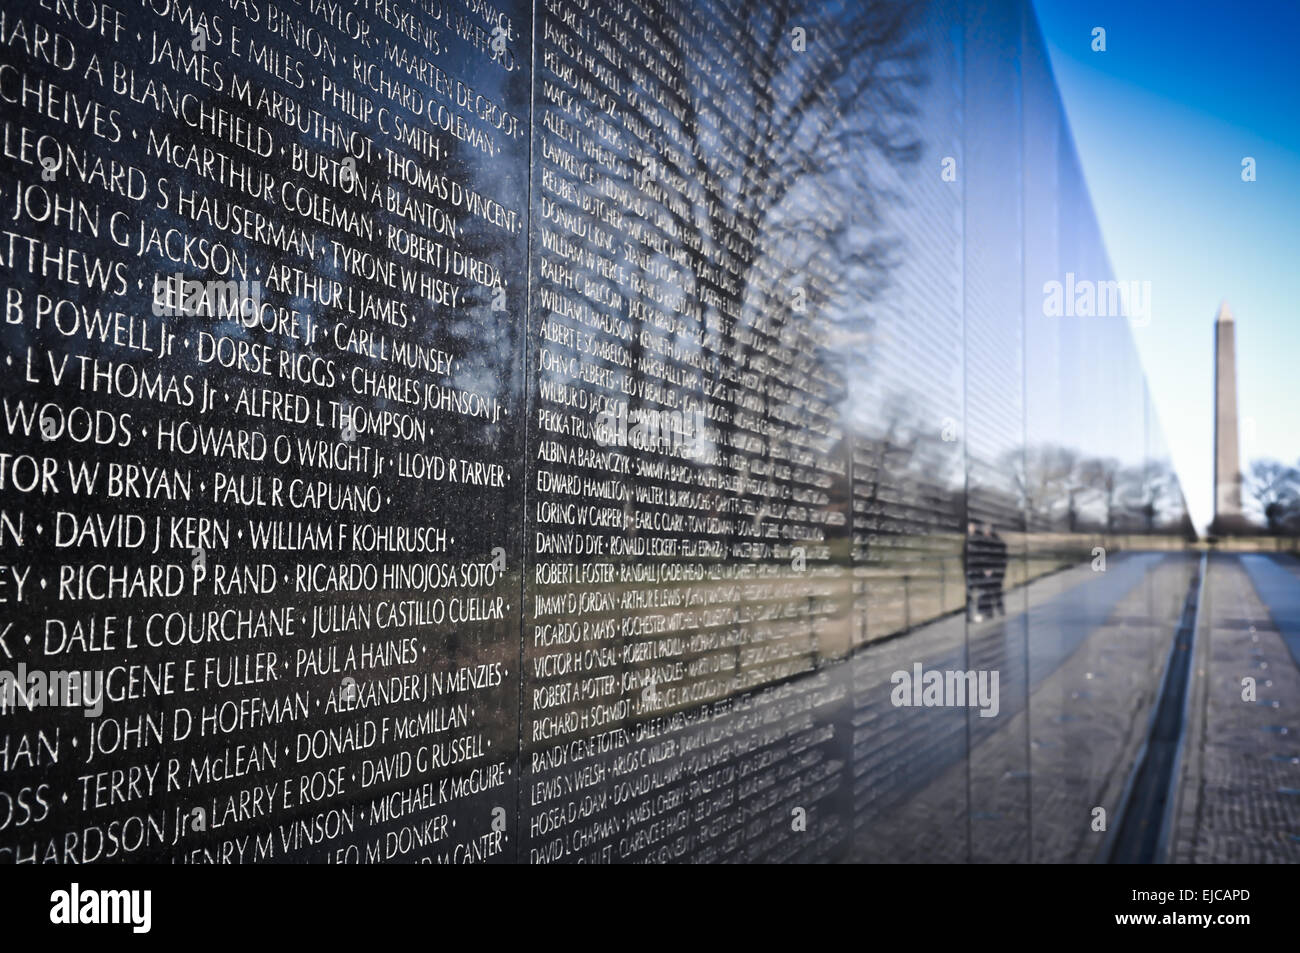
1227	454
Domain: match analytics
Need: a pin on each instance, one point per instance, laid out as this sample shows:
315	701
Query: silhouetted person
975	555
997	547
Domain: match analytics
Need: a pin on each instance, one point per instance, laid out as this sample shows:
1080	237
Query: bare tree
1153	494
1048	482
1275	489
1103	477
787	157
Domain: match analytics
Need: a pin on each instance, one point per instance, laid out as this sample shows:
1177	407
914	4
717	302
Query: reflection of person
997	572
975	556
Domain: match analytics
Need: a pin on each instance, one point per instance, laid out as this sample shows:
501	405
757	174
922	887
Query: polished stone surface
633	394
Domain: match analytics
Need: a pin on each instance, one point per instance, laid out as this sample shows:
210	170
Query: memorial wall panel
1088	471
906	412
687	467
995	427
264	285
544	431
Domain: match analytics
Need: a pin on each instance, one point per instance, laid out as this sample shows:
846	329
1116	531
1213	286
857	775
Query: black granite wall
465	431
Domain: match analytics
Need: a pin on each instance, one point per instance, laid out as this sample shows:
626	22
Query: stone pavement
1276	579
1239	790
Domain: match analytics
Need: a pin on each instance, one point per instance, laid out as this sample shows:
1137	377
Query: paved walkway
1079	659
1277	582
1239	790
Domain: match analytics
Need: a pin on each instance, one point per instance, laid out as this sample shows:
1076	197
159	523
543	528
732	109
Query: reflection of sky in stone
959	330
1163	119
925	296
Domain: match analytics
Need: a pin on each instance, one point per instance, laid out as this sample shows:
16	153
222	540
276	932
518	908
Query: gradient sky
1162	120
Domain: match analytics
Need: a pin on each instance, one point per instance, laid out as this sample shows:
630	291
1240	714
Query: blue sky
1162	120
